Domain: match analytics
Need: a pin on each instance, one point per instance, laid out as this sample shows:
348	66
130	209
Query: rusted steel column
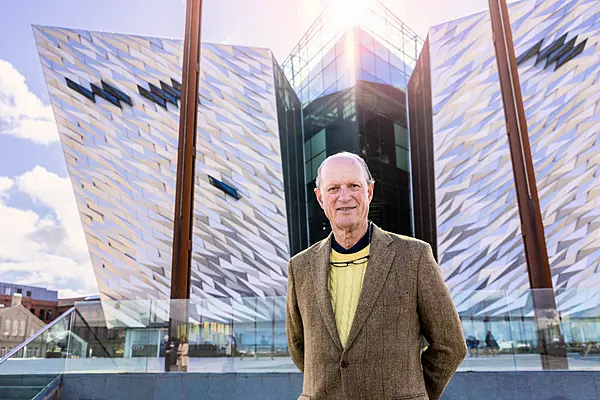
186	176
550	340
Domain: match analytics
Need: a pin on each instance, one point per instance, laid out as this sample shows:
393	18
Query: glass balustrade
504	331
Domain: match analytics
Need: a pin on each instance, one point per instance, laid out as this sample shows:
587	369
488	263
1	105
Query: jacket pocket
421	396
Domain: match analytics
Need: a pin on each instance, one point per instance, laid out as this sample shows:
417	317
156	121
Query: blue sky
41	241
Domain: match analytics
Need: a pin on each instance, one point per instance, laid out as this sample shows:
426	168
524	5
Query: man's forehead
342	162
341	170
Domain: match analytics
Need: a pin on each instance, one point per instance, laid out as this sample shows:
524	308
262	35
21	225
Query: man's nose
344	194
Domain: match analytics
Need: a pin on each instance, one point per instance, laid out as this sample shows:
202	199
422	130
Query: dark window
152	97
176	85
530	53
19	290
28	293
117	93
49	315
42	314
558	53
224	187
551	49
81	90
105	95
569	55
162	94
173	92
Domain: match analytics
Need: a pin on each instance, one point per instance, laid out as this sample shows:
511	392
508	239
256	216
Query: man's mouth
346	208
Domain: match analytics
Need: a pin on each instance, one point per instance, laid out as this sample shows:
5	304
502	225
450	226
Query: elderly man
359	302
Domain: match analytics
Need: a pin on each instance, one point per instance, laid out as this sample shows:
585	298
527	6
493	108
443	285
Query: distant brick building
43	303
17	323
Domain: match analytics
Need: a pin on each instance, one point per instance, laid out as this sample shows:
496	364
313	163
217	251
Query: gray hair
348	156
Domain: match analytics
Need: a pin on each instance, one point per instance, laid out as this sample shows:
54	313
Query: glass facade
370	120
330	126
378	47
384	146
355	56
352	88
289	116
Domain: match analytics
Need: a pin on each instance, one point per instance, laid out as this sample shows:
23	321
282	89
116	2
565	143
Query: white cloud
5	185
56	193
44	250
22	113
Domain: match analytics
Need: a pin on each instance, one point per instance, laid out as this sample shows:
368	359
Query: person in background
491	344
183	354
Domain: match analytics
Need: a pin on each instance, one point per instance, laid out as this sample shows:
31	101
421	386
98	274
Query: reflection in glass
318	142
402	158
367	61
248	334
329	75
382	70
316	162
401	135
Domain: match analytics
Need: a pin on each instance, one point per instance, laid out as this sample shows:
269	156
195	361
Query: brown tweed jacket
403	297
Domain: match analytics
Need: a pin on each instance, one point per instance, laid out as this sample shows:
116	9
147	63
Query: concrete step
20	392
26	380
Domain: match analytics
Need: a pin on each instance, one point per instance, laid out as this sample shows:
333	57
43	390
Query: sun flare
349	13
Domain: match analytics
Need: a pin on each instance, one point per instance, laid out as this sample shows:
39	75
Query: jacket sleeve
440	325
293	323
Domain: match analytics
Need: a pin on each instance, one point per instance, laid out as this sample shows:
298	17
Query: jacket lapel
320	268
380	260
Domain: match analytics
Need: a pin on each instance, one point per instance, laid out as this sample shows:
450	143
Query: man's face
344	193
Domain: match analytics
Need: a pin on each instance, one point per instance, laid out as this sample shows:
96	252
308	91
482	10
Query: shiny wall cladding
122	162
479	235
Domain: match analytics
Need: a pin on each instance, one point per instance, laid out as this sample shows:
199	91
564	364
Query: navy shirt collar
361	244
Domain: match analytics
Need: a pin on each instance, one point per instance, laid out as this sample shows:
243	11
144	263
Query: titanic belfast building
427	116
465	198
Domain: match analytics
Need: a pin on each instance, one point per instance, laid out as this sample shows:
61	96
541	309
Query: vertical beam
540	277
420	124
185	184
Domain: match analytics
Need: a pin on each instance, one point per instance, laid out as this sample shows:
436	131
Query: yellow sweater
345	285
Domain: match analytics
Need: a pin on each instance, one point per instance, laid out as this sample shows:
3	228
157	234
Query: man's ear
319	197
370	192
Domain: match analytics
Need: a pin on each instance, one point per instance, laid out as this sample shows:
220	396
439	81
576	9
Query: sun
349	13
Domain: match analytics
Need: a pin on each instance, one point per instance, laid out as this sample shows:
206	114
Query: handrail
40	332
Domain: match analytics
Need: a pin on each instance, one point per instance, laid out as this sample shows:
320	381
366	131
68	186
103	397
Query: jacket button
344	364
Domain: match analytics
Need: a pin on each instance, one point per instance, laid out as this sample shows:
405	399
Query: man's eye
331	189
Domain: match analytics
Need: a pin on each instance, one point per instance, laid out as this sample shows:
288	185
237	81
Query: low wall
525	385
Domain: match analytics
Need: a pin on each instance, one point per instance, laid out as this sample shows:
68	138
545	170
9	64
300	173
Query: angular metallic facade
478	225
115	98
